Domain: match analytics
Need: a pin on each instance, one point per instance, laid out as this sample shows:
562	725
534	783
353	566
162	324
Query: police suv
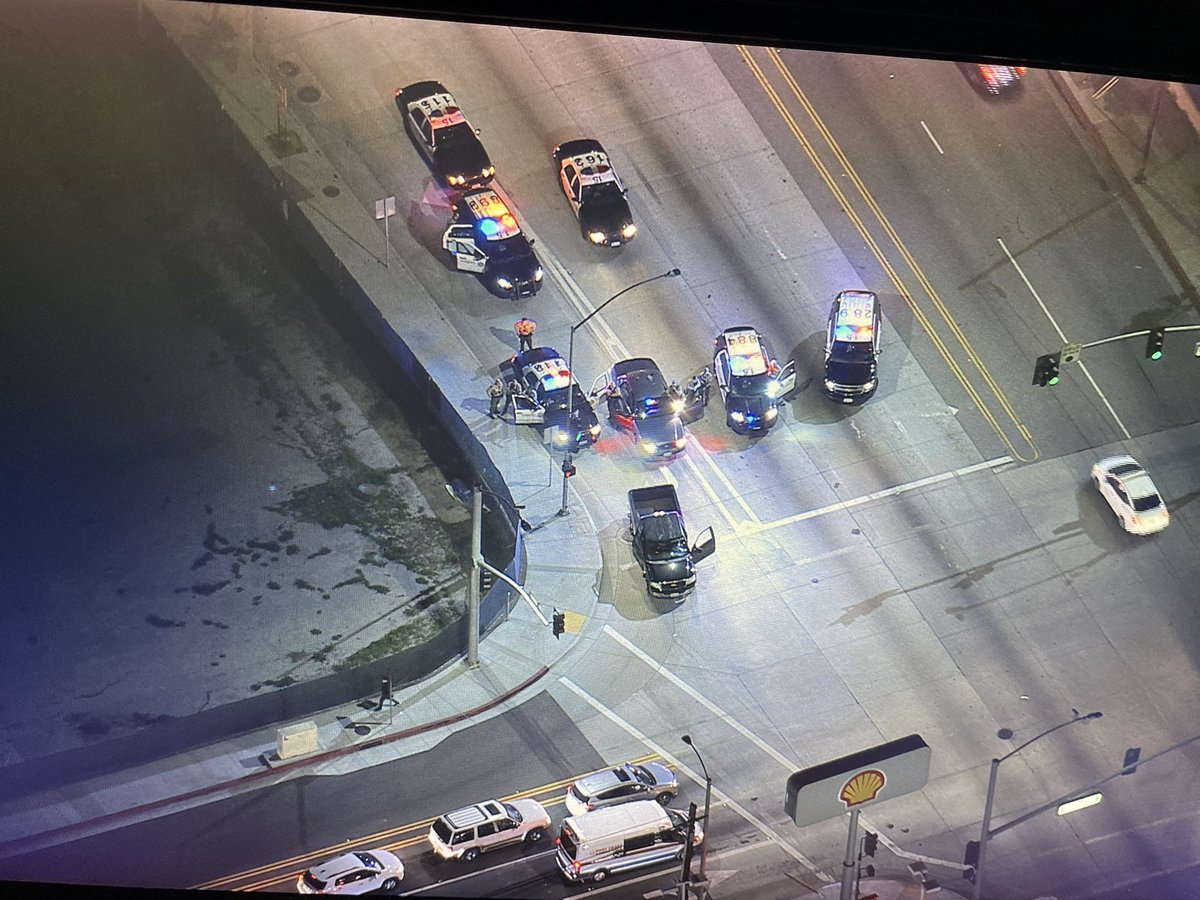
851	347
596	194
484	238
751	381
443	135
545	378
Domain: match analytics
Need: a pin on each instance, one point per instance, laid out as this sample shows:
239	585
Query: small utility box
297	740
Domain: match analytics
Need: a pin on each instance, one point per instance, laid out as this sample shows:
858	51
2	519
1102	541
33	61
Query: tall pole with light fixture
984	833
687	739
567	468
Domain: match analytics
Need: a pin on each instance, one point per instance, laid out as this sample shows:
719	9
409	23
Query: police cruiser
596	194
851	347
484	238
751	381
442	133
545	379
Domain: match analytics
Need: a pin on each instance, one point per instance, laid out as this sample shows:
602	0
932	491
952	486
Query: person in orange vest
525	329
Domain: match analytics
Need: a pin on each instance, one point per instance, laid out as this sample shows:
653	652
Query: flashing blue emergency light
488	227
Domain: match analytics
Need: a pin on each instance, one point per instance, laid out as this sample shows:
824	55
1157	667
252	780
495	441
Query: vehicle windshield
369	861
513	812
1125	469
749	385
442	830
452	135
642	774
597	193
1142	504
852	351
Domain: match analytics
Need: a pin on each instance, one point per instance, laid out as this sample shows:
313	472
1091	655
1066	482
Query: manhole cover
309	94
1004	734
330	191
289	68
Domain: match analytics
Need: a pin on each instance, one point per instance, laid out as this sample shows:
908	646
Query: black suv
851	347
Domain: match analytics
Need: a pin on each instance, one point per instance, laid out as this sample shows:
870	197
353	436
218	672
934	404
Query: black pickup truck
660	543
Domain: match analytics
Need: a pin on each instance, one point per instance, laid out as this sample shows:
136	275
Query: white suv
467	832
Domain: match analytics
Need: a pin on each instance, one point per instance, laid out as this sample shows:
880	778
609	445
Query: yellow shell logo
863	787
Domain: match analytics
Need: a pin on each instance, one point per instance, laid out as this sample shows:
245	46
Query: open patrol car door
786	379
459	241
527	411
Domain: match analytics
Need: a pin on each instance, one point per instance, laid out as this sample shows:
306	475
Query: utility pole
473	585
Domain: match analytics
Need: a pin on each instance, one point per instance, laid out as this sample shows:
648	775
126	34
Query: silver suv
622	784
467	832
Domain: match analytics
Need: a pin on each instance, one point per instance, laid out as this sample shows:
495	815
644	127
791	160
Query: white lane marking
741	729
724	479
712	495
694	776
932	138
701	699
878	495
1062	337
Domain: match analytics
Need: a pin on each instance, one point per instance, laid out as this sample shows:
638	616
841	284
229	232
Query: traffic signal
1046	371
1154	343
560	623
870	843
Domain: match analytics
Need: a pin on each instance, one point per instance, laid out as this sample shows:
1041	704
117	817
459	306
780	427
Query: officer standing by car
513	389
525	329
496	392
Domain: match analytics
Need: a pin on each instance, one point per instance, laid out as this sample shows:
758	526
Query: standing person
512	389
496	393
525	329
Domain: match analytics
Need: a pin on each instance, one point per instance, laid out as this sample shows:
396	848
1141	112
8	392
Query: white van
620	838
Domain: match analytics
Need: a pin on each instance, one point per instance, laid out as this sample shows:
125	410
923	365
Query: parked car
358	872
467	832
1131	493
994	80
622	784
442	133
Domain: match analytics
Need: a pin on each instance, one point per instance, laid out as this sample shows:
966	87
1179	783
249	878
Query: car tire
391	884
664	798
471	855
600	875
533	836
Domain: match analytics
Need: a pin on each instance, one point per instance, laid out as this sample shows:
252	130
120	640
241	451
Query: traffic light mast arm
1144	333
484	564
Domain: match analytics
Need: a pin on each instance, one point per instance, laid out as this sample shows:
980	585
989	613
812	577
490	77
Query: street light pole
984	832
563	510
687	739
473	586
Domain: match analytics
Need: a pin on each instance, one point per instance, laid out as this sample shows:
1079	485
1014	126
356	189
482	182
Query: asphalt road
995	599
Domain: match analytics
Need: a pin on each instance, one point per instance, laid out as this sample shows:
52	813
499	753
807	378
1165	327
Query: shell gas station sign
854	782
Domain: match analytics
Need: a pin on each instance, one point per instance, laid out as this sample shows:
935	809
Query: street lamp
984	833
477	561
687	739
567	468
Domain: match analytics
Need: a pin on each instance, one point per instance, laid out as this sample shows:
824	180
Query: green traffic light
1157	354
1053	380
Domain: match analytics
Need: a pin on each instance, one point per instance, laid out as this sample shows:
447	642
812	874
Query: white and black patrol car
639	402
485	238
442	133
751	381
596	194
544	375
852	346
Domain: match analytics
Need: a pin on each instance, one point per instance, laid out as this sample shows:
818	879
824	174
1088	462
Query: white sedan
360	872
1132	495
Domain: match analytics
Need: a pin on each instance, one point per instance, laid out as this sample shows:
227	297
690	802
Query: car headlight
737	416
537	274
457	179
680	442
595	430
830	385
489	171
629	231
773	389
597	237
676	406
771	413
870	385
648	447
504	284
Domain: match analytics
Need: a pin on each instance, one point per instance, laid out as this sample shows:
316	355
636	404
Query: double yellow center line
1025	449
